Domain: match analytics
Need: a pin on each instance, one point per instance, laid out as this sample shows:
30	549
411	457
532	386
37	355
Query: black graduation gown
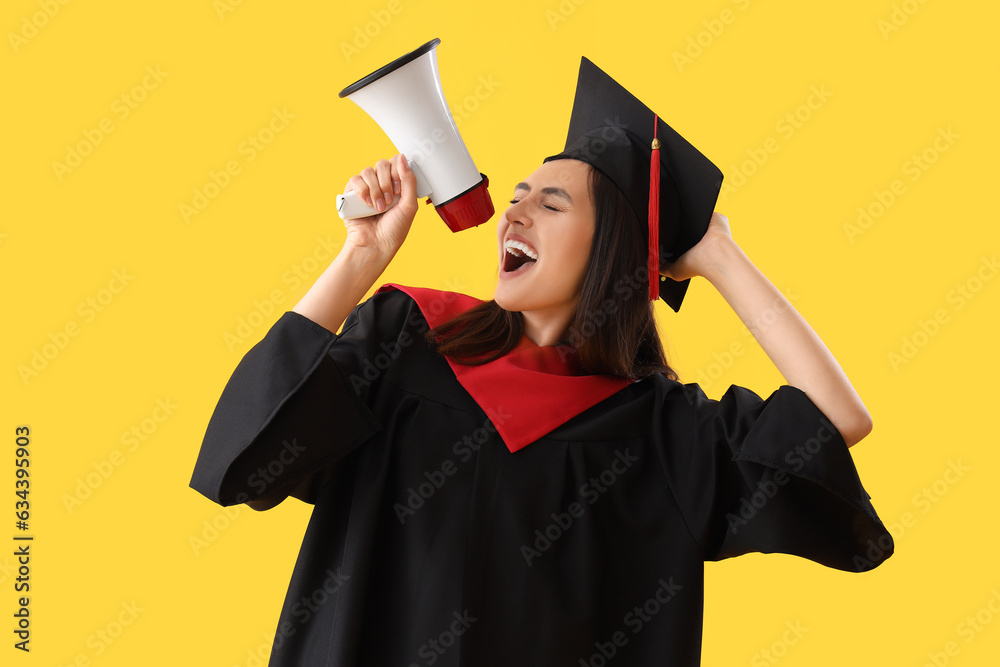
431	543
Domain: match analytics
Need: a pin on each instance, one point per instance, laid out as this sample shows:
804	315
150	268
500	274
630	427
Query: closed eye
551	208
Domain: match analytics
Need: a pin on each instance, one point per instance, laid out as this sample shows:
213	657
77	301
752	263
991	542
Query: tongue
513	263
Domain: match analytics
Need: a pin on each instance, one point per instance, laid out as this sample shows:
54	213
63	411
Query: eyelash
551	208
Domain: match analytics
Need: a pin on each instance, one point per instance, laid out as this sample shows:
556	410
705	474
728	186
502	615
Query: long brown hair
613	332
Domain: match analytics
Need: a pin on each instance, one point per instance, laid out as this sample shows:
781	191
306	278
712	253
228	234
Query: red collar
529	391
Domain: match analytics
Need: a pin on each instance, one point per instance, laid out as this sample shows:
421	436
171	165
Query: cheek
580	249
570	266
501	232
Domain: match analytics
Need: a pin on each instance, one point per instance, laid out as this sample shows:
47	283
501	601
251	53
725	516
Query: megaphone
406	100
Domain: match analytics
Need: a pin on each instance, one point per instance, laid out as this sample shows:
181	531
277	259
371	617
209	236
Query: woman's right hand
384	233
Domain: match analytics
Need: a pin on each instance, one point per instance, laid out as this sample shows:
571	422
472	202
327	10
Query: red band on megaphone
469	209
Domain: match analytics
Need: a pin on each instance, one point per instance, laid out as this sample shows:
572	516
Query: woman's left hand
705	255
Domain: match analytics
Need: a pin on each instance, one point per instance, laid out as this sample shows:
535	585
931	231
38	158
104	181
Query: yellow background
161	334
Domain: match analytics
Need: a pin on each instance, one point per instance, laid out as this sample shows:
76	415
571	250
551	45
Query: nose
517	214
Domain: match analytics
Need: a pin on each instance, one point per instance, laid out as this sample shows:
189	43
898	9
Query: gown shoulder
767	475
296	403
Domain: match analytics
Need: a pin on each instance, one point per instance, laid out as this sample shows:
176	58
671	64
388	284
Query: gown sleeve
296	404
774	475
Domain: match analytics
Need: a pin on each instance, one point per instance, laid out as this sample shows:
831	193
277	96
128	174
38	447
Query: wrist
723	259
341	286
362	261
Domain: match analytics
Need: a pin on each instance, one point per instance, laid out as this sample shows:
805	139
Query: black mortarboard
613	131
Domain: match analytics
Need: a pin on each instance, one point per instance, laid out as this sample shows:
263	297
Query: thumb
408	184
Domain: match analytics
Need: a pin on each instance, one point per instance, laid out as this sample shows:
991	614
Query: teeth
519	249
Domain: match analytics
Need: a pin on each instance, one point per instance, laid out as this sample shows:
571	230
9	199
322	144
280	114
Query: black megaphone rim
388	69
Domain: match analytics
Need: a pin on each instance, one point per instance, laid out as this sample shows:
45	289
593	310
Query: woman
525	481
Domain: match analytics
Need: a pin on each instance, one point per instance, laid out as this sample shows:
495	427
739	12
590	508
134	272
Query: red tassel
653	264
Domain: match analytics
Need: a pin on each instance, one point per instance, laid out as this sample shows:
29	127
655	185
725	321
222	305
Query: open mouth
517	256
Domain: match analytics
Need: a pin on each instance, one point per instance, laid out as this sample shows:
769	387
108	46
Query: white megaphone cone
406	100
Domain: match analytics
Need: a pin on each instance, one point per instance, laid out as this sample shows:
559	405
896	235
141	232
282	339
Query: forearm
341	287
796	350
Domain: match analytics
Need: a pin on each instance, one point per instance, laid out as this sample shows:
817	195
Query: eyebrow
558	192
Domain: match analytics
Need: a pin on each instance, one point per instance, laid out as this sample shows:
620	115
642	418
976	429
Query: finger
382	171
374	190
360	188
372	178
358	185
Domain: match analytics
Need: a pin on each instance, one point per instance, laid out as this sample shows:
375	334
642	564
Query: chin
517	298
506	300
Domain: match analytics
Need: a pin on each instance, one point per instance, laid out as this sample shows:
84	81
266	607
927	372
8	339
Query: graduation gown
431	542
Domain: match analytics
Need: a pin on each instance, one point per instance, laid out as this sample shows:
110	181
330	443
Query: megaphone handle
350	205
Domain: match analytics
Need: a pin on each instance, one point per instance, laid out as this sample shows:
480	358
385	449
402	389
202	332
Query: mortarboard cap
674	188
